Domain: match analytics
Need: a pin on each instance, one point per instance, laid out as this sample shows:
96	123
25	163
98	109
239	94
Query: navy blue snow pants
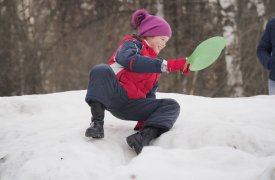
105	88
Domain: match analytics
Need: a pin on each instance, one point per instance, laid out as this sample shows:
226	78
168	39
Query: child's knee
100	69
173	104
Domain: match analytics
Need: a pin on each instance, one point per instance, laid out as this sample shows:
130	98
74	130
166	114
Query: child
127	85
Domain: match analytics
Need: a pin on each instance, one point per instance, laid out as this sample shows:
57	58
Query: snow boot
143	138
96	129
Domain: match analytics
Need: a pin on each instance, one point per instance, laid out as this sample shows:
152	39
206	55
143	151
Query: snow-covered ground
42	138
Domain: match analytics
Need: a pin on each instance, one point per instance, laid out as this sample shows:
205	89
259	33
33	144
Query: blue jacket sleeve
152	93
130	57
264	49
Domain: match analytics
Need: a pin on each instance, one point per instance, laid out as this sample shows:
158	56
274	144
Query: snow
42	138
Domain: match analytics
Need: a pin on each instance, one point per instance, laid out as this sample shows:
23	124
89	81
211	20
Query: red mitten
139	125
174	65
187	70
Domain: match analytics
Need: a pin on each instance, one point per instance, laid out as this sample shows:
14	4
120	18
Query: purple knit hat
149	25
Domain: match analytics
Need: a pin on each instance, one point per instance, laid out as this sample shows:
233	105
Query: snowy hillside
42	138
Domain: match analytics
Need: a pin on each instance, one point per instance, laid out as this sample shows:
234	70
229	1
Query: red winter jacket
136	67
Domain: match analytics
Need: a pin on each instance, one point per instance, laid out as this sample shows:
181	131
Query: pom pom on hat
149	25
138	16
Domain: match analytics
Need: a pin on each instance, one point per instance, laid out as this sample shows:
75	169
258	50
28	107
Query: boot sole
133	144
94	135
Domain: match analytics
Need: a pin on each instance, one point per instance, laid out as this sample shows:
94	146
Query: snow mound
42	137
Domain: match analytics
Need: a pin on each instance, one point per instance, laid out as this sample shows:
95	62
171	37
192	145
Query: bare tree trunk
232	51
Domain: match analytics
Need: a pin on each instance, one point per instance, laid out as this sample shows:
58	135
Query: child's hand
187	70
180	64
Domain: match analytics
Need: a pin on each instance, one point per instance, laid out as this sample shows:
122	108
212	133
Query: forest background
50	45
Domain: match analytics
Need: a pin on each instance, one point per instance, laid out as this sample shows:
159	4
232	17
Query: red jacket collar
145	47
151	51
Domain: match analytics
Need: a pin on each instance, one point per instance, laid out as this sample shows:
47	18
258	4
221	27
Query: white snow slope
42	138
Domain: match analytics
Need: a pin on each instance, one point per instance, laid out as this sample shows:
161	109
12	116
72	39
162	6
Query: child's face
157	42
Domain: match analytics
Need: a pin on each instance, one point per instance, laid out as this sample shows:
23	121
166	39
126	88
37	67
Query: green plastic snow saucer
206	53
